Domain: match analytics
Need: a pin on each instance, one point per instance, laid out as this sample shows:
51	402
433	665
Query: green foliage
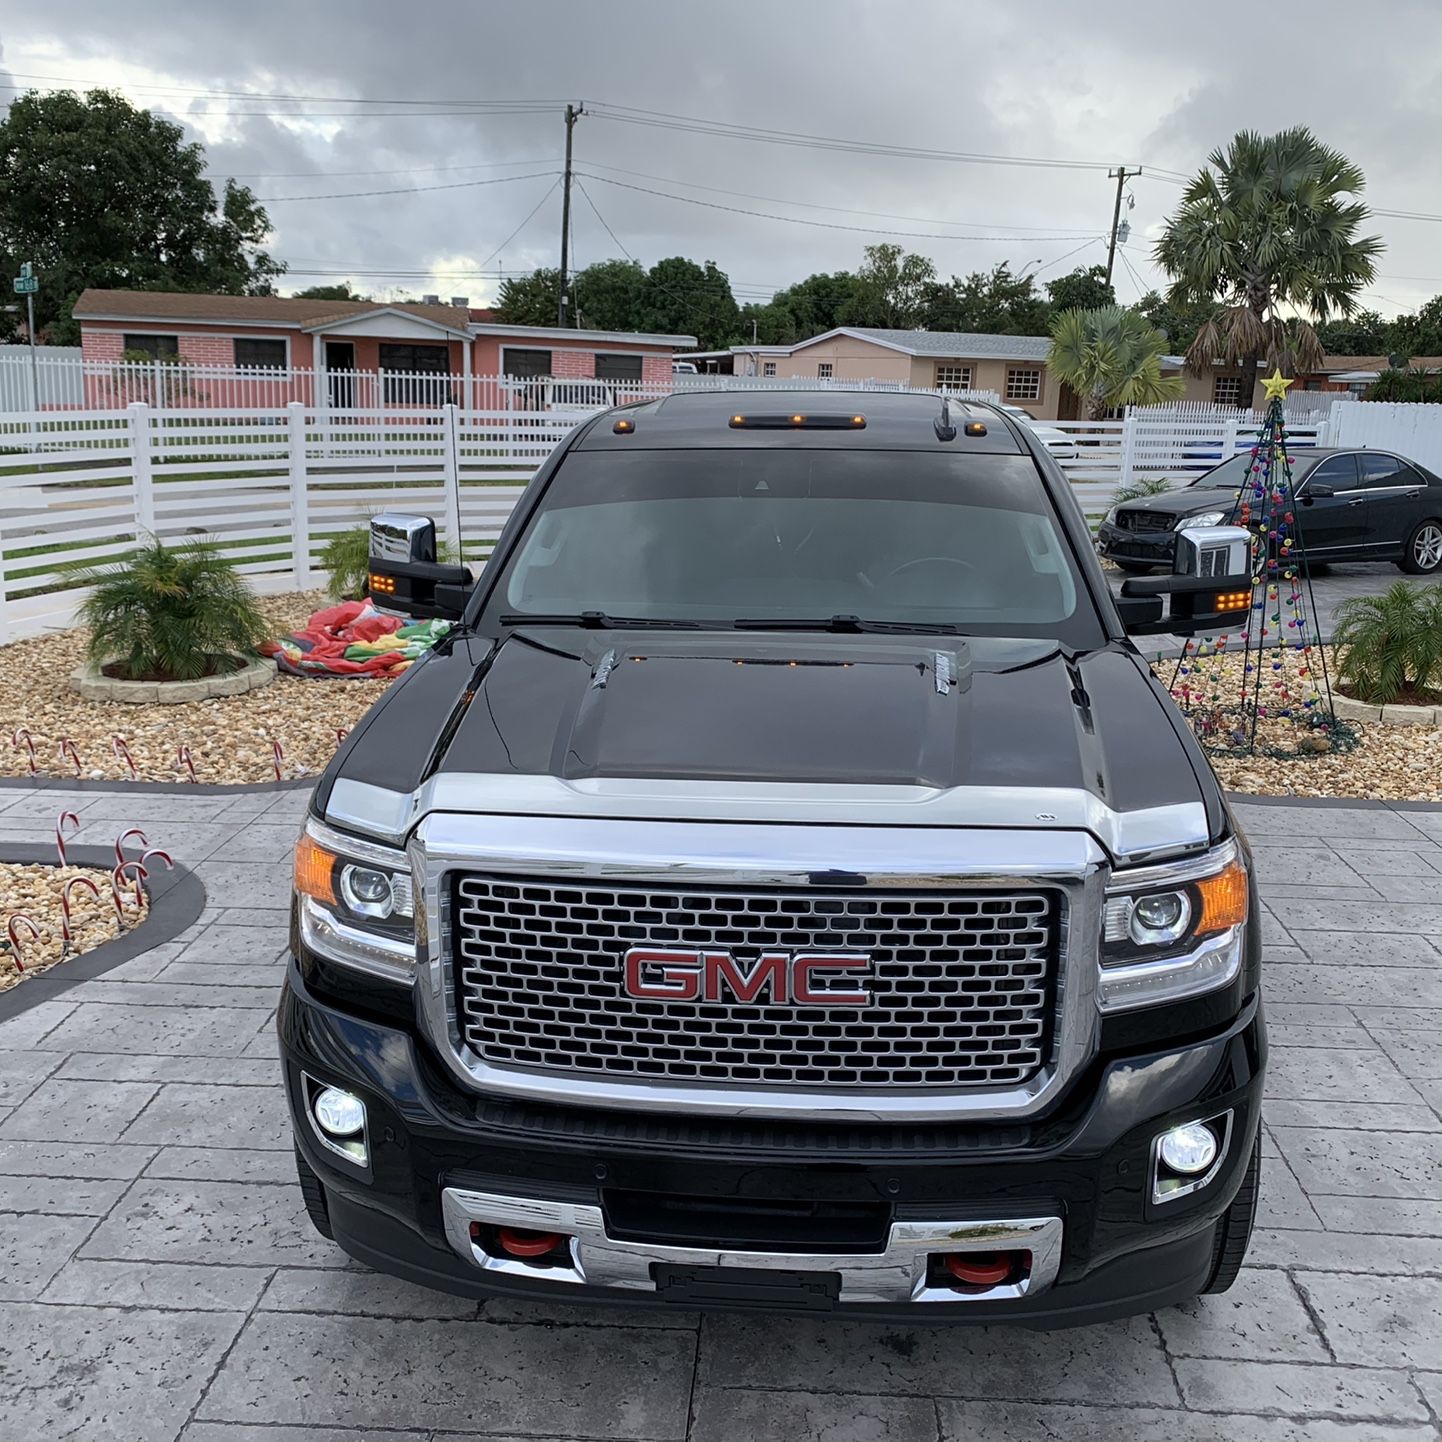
1141	487
1389	643
607	295
1111	357
330	292
346	557
1365	333
1085	288
97	193
1178	322
683	298
890	289
994	302
530	299
176	612
1406	385
810	307
1267	233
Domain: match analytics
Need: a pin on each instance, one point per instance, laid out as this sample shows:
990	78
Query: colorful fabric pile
354	639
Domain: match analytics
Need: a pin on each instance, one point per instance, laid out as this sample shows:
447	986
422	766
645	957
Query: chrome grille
963	984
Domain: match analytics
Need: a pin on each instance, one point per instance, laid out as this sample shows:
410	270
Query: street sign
26	285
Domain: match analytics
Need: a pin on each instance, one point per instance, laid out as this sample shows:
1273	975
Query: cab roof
895	420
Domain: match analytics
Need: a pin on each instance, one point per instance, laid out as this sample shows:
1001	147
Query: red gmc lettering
663	975
805	993
799	979
726	980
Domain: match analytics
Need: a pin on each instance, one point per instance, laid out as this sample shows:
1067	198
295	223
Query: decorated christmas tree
1266	691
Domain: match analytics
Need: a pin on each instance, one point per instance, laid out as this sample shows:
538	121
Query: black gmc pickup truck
786	887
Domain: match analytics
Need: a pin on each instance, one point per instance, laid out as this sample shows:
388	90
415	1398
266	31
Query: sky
452	111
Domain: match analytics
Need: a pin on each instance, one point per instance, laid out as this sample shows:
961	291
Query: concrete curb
176	900
154	788
92	684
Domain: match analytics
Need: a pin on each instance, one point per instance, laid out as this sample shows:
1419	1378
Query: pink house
349	353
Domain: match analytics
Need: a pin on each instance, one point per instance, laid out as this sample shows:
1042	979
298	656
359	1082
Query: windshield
1232	473
713	537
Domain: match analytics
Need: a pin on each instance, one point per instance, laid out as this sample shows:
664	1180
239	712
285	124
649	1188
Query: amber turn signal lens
383	585
1233	600
1224	899
315	871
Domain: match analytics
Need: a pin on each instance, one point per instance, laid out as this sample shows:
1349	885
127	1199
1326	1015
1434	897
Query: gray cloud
1107	82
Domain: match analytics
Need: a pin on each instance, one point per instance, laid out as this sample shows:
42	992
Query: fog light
339	1113
1189	1149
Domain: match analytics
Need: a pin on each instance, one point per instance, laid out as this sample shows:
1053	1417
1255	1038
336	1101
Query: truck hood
663	722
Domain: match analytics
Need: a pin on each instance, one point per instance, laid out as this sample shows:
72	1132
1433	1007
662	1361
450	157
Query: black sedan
1352	506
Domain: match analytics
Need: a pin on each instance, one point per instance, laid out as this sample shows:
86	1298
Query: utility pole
573	114
1121	175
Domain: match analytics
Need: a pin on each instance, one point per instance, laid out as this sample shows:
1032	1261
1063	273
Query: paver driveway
158	1279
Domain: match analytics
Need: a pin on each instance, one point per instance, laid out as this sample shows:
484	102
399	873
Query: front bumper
1158	548
1074	1190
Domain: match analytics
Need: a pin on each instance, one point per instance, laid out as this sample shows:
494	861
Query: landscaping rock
91	682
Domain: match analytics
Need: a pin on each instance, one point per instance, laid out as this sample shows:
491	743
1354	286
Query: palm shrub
1111	357
170	613
1390	644
347	558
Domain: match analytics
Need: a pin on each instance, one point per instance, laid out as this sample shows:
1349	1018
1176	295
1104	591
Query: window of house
415	375
267	353
953	378
1227	390
519	362
618	367
432	359
156	347
823	370
1023	383
768	368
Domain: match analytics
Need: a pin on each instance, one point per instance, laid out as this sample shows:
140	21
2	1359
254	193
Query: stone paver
158	1278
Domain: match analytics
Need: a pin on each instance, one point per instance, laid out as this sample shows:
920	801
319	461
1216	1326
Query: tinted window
526	362
1379	471
432	358
156	347
618	367
1339	472
712	536
268	353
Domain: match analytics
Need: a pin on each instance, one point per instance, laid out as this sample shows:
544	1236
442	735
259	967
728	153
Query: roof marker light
624	427
975	428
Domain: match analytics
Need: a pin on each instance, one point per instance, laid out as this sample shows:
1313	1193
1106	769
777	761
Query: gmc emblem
797	978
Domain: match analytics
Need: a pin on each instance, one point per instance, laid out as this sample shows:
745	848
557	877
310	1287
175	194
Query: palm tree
1269	228
1111	357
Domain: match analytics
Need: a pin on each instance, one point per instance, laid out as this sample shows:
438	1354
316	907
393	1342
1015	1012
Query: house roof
267	310
1338	363
967	345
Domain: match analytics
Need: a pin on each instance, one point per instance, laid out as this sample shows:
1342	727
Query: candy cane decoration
35	934
60	821
122	753
67	749
183	761
21	736
118	878
278	756
156	851
341	733
123	838
85	881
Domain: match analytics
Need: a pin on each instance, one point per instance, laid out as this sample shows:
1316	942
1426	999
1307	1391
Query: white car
1061	445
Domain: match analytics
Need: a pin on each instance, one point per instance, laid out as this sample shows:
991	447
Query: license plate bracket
757	1287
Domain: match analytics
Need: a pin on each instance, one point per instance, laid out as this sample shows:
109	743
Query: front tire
1423	552
1234	1229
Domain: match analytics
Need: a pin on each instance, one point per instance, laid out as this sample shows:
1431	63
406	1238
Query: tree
329	292
1366	333
530	299
1179	323
1419	334
97	193
1085	288
683	298
810	307
890	289
1269	227
1111	357
994	302
608	295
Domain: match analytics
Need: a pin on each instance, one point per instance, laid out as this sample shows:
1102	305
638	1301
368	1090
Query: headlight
1110	519
356	902
1207	518
1173	931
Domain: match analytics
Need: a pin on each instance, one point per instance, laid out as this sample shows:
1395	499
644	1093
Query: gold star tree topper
1275	385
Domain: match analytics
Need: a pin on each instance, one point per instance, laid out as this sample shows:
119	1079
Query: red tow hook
517	1243
980	1269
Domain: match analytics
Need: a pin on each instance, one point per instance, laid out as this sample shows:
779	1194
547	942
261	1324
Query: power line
550	191
405	189
403	170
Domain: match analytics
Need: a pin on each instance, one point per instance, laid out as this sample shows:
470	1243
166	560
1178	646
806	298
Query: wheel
1234	1230
313	1190
1134	568
1423	552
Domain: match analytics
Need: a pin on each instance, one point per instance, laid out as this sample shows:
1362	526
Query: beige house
1013	366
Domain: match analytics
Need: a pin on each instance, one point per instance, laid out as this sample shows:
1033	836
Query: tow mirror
1210	587
403	576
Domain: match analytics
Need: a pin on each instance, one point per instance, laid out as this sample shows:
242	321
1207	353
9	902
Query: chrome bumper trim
895	1275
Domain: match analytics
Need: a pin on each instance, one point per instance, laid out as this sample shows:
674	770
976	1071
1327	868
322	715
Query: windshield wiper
593	620
851	625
